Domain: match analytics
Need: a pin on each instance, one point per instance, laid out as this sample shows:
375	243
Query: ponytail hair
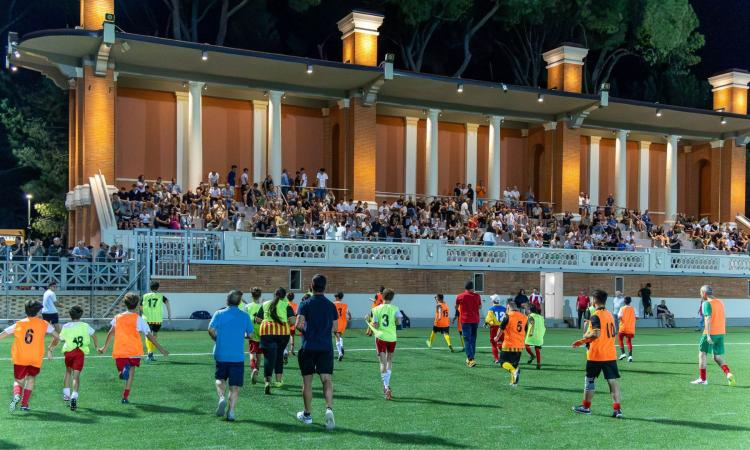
277	296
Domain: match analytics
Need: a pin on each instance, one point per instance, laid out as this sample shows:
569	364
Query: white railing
68	274
170	253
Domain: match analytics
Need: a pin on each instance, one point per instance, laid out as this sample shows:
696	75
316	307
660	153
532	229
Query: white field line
410	349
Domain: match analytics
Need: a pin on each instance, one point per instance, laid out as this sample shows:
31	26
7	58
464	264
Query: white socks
386	377
340	345
74	396
66	392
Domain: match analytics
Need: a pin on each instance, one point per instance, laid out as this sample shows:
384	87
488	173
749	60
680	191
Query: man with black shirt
316	319
645	294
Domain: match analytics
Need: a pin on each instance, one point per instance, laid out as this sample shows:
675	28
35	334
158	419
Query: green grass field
438	402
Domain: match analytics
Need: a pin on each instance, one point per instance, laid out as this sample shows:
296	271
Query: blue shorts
232	371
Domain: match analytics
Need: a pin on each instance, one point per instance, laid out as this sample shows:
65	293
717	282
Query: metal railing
68	274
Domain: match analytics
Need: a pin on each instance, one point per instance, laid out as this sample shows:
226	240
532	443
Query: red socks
616	406
586	404
725	368
253	364
703	374
126	394
538	351
26	397
630	346
495	353
17	389
528	350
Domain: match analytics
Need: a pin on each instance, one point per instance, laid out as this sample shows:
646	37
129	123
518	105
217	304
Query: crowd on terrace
306	207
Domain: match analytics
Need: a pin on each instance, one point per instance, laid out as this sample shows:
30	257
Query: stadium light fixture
658	112
723	121
460	87
14	69
505	87
204	55
540	98
16	53
309	69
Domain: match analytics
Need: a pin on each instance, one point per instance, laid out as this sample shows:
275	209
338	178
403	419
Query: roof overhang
165	63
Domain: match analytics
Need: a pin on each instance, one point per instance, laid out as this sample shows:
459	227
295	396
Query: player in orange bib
344	316
377	301
513	335
126	329
601	355
27	352
627	329
442	322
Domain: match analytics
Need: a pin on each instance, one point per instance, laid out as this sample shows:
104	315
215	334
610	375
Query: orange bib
515	332
128	342
627	321
603	347
442	316
341	310
28	342
717	318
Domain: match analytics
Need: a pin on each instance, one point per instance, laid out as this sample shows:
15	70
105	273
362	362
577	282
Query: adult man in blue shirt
228	328
316	318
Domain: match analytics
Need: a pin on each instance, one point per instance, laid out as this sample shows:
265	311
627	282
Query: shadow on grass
693	424
432	401
385	437
9	445
552	389
167	409
107	413
649	372
48	416
182	363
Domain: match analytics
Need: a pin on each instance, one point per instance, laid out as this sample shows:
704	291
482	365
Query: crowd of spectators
35	250
303	208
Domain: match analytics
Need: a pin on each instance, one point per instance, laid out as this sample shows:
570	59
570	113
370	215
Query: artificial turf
437	400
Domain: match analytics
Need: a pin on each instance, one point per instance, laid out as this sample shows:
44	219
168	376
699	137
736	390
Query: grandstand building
142	105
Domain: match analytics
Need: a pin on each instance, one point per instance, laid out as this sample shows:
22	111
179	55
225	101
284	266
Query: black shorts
444	330
155	327
232	371
315	361
594	368
510	357
51	318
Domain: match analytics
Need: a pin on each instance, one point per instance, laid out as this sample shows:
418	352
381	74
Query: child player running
76	337
384	320
27	352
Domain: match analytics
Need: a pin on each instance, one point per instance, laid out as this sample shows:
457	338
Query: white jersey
48	302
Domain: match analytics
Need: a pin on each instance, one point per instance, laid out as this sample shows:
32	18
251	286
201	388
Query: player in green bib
385	319
535	335
152	309
76	337
256	354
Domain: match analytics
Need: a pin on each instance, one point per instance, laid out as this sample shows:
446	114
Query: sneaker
342	350
221	407
538	366
623	356
330	421
472	363
150	358
582	410
388	393
66	398
25	408
341	357
254	376
267	388
14	402
286	358
450	347
304	418
531	360
125	401
516	376
731	380
230	416
699	381
630	359
278	384
497	361
617	414
428	343
73	404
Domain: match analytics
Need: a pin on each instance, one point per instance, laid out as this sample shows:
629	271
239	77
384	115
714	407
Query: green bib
539	330
252	309
280	311
386	317
153	307
76	336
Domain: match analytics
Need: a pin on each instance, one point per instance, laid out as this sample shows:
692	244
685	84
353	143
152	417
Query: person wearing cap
493	320
469	303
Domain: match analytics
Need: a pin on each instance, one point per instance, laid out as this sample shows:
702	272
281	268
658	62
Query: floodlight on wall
309	69
204	55
16	53
540	97
390	57
723	121
658	112
14	69
460	87
505	87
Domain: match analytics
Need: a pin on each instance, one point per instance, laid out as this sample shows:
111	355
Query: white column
471	155
594	170
260	140
670	188
493	165
410	162
182	139
643	174
432	158
621	173
274	135
195	136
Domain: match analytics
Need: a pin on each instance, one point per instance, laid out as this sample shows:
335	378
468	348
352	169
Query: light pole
28	211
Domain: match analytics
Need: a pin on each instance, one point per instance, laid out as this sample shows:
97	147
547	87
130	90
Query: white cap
495	299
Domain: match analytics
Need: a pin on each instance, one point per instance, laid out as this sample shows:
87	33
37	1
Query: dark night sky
724	23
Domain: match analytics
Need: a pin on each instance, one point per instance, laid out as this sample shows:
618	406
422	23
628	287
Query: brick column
362	148
98	125
733	161
93	11
566	168
594	169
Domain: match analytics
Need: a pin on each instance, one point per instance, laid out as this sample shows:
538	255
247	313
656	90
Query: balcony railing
68	274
